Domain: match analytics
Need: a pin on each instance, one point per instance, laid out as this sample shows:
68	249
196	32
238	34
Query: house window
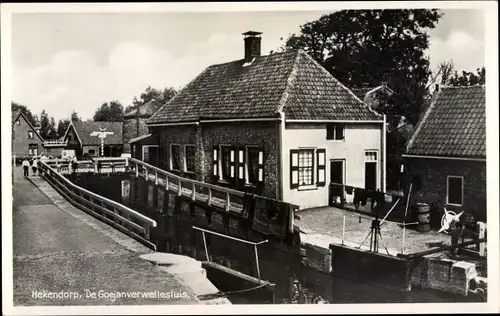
132	150
455	190
92	152
253	154
18	122
335	131
175	157
30	135
145	154
227	163
33	149
69	138
189	156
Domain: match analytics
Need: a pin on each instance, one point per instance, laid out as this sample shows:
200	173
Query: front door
371	176
336	180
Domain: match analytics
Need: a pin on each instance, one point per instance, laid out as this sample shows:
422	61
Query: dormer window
30	135
335	131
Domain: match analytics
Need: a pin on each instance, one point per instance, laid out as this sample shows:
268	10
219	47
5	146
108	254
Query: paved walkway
60	248
325	225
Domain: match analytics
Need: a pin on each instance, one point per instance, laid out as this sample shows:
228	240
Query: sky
74	61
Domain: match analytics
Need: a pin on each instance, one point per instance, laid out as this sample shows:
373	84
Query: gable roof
146	109
290	81
453	125
84	129
15	117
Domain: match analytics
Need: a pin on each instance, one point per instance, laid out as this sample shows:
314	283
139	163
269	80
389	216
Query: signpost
102	134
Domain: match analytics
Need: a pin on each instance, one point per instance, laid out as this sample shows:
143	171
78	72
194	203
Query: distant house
78	137
26	138
278	125
134	124
446	156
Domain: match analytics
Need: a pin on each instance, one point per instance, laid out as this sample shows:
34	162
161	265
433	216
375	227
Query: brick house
446	156
278	125
78	137
134	122
26	138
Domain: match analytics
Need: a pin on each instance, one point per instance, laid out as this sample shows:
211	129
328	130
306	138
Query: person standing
34	165
26	166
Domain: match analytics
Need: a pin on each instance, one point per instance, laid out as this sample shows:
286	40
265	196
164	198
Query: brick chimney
252	45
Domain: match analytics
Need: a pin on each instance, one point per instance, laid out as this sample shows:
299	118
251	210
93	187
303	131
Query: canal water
294	283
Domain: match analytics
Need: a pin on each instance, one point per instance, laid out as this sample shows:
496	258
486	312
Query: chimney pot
252	45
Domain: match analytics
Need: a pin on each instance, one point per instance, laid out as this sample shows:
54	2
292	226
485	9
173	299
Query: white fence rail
117	215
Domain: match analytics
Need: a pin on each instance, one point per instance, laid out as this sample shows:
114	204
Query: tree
467	78
44	125
149	94
367	47
23	108
75	117
62	126
109	112
53	129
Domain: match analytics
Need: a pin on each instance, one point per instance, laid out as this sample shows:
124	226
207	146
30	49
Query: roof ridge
340	83
290	83
421	122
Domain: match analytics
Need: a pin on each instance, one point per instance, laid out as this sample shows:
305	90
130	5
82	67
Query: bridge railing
117	215
222	197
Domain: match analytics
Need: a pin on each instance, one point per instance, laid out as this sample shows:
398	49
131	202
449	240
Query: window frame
448	190
186	158
171	156
32	149
312	167
221	172
31	135
258	149
333	128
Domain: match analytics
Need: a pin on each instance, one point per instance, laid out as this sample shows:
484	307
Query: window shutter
232	157
261	166
321	158
329	131
294	169
215	171
339	131
241	164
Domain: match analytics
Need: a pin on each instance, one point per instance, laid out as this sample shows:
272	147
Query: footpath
63	256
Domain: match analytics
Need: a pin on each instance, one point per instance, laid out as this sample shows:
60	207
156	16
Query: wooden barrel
424	217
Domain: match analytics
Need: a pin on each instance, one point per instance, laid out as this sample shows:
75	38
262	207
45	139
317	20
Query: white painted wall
358	138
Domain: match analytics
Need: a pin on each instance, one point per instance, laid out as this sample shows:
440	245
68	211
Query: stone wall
433	174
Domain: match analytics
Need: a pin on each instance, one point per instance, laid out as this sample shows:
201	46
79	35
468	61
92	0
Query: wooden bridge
126	219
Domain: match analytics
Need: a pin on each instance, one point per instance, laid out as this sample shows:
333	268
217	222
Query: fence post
209	196
228	201
193	194
179	187
136	170
156	177
166	183
481	228
146	172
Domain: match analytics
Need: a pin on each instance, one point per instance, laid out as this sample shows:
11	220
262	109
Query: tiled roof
146	109
454	124
84	129
291	81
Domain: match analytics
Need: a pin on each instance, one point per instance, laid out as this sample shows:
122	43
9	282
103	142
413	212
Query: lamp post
102	134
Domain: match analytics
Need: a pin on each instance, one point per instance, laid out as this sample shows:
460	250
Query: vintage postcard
292	157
